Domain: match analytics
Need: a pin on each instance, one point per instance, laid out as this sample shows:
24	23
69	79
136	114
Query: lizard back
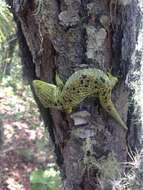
82	84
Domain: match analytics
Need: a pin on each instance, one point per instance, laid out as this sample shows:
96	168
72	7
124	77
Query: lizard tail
107	104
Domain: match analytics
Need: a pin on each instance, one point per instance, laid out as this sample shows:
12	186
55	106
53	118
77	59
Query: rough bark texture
66	35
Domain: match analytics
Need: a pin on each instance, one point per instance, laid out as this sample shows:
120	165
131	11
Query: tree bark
66	36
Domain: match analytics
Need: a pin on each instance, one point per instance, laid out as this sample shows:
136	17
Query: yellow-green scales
80	85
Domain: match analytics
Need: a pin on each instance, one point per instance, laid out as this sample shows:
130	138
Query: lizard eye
103	80
83	76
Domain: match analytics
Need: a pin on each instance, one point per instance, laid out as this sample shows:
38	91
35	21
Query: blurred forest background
26	154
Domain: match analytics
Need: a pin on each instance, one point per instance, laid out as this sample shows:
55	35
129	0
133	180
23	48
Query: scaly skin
83	83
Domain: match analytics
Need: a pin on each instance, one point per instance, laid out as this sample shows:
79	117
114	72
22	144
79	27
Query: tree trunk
65	36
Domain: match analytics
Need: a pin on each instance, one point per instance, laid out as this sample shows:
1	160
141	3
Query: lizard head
46	92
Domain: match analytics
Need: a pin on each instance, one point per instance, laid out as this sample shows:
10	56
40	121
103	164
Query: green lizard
81	84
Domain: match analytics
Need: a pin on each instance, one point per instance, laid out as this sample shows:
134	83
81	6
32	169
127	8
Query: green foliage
45	180
9	81
8	43
9	63
7	26
39	187
27	154
19	116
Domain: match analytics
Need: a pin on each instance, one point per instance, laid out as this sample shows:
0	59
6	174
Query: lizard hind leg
69	110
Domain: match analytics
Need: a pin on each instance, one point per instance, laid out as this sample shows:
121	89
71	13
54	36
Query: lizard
80	85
